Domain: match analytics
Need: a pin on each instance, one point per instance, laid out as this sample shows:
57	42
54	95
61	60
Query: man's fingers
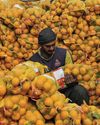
69	78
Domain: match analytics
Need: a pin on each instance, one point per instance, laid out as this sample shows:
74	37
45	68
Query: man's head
47	40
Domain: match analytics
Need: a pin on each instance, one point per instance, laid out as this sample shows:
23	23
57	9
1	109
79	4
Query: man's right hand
70	79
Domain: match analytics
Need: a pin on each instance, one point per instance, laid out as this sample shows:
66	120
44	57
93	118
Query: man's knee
79	94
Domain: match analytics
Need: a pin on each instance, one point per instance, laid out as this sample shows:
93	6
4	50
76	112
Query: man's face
49	48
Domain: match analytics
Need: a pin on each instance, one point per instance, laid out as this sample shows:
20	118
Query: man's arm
70	78
68	58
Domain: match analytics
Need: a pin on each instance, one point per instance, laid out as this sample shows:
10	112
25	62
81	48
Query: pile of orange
86	76
77	25
26	98
75	22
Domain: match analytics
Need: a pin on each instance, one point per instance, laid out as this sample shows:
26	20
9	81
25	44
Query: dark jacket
55	62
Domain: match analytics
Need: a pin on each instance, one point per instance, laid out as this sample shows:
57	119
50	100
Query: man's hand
70	79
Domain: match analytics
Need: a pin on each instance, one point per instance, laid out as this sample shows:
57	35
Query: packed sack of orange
18	80
70	113
41	85
16	109
50	105
74	114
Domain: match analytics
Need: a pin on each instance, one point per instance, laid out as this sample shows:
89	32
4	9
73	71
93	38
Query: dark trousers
77	94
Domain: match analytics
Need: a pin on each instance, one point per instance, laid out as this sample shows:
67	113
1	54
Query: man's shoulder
34	56
61	49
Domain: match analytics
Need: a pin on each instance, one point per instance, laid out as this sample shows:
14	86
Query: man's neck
44	55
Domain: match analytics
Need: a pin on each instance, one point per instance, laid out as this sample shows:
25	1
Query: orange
86	86
16	90
2	89
92	85
96	41
22	121
87	121
8	113
48	101
26	86
47	85
82	34
8	103
73	47
63	31
64	22
4	121
40	81
57	4
65	122
73	114
47	117
83	71
79	77
77	121
53	7
18	31
77	31
85	108
91	43
16	116
75	71
59	122
15	81
86	77
15	99
55	97
16	49
23	103
30	116
58	11
37	114
15	62
40	122
64	114
22	111
97	91
70	30
20	55
67	71
56	18
85	28
80	25
13	123
53	112
58	117
53	89
8	59
59	104
83	116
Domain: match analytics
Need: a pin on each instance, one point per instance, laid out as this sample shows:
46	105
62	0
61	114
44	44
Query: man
54	58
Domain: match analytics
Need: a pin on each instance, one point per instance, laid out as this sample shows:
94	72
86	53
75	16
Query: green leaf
28	42
2	103
29	123
9	86
97	28
96	115
56	24
89	115
15	107
98	74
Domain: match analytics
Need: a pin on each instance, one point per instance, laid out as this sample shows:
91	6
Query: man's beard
49	53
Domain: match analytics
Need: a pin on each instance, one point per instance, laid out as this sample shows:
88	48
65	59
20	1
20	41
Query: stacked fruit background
77	24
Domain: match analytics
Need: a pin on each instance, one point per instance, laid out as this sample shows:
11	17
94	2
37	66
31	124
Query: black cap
46	36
